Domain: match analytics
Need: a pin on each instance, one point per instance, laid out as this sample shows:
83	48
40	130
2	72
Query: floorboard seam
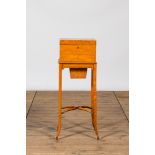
31	104
120	105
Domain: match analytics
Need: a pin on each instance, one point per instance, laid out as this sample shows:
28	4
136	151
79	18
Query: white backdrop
103	20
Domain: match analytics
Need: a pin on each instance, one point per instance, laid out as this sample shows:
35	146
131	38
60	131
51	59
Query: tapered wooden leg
93	98
92	110
59	101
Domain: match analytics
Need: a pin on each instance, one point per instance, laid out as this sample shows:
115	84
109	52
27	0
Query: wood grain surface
76	51
123	99
77	134
29	98
77	42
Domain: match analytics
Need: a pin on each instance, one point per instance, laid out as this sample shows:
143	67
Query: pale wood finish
77	65
77	132
75	51
93	98
78	73
84	108
59	102
78	55
77	42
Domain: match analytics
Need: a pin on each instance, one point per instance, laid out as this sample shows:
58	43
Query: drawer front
78	73
78	53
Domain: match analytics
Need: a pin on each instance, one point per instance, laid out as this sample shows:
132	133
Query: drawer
76	73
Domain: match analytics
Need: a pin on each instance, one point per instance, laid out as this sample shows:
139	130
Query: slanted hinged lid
77	51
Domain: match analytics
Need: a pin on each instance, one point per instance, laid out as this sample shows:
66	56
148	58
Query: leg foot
58	129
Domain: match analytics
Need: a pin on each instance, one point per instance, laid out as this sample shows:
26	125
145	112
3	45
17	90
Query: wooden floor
77	135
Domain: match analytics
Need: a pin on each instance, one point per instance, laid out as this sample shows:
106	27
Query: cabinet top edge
77	41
